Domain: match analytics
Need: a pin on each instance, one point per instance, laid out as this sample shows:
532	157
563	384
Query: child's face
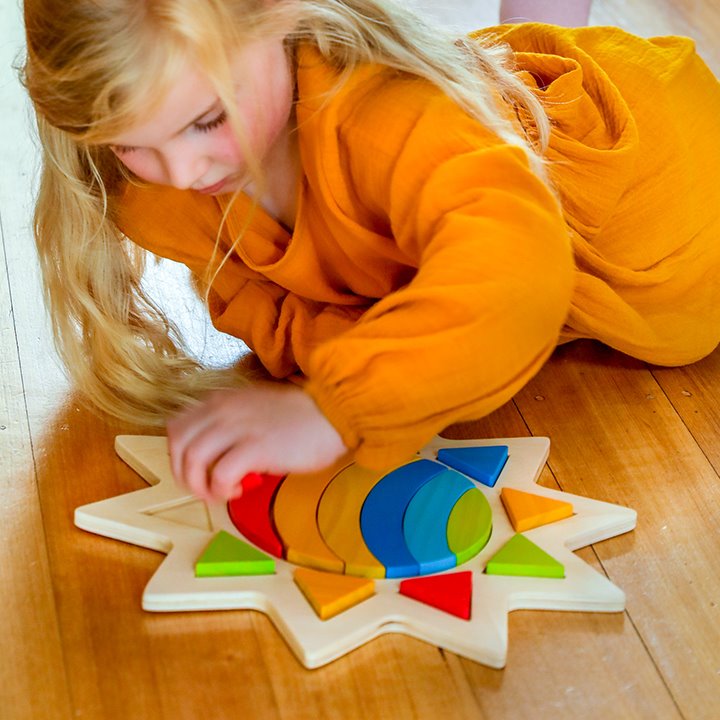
188	142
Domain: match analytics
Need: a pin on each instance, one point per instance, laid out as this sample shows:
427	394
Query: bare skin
263	428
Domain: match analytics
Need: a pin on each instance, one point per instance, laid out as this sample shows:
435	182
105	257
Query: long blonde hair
95	68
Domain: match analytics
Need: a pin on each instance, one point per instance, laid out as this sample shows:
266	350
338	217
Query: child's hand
262	428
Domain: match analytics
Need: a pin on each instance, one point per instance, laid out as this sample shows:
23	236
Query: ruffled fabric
634	154
430	273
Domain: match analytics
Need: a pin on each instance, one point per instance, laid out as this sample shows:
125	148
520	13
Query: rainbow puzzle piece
441	547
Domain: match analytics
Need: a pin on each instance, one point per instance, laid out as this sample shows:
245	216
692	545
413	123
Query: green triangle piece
519	556
227	555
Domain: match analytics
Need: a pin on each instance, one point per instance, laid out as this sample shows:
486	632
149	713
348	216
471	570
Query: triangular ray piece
527	510
449	593
330	593
483	463
227	555
193	513
522	557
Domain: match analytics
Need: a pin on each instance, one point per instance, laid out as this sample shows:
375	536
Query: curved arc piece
470	525
251	514
338	519
381	517
426	519
294	513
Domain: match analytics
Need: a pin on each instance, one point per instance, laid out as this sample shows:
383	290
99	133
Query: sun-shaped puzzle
441	548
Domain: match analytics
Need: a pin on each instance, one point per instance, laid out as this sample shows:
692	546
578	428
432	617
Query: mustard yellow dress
430	273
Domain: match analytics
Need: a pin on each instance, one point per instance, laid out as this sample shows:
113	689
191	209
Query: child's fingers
231	471
201	454
182	430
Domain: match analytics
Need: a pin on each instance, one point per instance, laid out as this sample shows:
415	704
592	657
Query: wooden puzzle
441	548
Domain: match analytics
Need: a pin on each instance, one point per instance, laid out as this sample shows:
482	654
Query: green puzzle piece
469	526
522	557
228	555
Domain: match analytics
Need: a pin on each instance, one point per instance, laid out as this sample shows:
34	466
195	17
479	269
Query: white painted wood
138	518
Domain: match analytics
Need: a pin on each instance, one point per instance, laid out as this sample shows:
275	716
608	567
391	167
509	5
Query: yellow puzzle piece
338	519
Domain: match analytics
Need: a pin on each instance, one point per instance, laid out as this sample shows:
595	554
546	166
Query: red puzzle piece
251	512
449	593
251	481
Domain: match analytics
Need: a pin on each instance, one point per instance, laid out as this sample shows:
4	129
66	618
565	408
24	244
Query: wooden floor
75	643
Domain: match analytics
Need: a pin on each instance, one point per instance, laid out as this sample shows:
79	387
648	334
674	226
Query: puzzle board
391	590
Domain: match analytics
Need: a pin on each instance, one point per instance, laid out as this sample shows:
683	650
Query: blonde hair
93	69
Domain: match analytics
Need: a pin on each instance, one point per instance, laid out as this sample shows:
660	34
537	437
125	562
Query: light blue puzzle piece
426	519
381	517
482	463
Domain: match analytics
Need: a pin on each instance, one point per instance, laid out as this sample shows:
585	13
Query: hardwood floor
75	643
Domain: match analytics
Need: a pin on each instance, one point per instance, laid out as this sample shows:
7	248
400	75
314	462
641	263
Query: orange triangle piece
449	593
527	511
330	593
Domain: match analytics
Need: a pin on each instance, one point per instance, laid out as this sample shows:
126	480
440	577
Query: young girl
403	223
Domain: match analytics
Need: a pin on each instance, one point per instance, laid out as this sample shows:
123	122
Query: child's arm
570	13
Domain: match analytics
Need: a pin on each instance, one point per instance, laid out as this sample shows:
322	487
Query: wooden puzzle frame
166	518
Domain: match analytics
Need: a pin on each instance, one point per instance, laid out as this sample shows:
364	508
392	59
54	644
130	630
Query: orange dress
430	273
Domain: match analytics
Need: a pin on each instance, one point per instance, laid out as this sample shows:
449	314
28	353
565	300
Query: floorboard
76	643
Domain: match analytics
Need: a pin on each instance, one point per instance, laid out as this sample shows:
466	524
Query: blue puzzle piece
381	517
426	519
482	463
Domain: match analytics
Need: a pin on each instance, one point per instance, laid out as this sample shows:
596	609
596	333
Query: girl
404	224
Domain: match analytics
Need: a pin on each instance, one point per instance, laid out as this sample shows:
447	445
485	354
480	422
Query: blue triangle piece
482	462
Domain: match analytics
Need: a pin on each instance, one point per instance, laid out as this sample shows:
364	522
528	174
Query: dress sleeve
277	325
489	298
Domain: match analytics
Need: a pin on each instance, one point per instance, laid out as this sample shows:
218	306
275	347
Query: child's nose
184	170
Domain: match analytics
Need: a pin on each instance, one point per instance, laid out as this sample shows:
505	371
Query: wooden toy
250	512
449	593
228	555
296	500
329	593
469	526
381	518
520	556
483	464
339	520
527	510
165	517
426	517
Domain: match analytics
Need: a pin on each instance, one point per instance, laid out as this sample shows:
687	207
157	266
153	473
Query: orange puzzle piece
527	511
330	593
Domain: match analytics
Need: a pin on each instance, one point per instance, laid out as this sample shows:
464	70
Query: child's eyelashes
211	124
202	127
121	149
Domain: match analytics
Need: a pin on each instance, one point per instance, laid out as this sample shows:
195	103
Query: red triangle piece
449	593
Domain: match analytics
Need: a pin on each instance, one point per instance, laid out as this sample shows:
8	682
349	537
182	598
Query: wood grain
32	672
631	447
33	680
76	644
